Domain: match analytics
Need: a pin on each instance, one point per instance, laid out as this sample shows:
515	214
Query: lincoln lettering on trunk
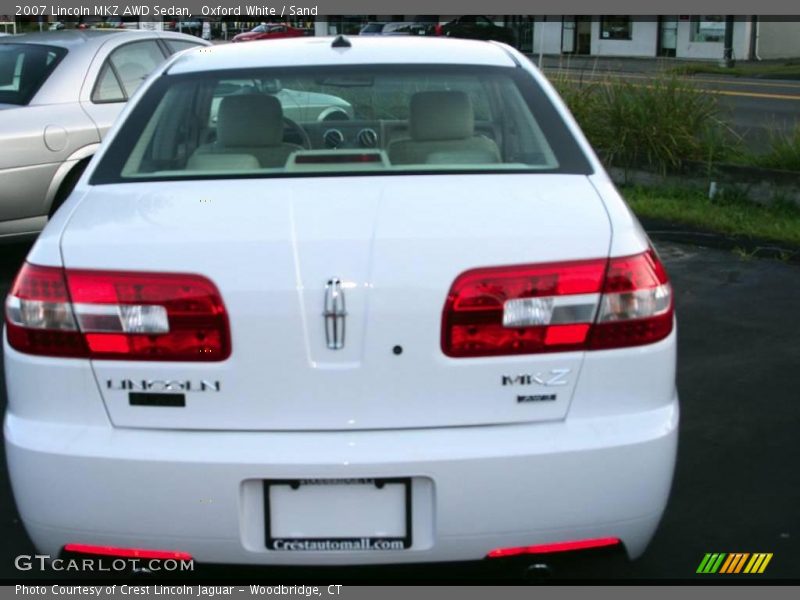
164	385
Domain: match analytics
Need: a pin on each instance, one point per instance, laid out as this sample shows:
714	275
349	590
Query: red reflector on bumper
554	547
127	552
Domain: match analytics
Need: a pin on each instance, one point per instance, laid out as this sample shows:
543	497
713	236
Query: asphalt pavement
737	484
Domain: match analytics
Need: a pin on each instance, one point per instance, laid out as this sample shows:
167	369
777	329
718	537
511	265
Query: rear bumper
474	488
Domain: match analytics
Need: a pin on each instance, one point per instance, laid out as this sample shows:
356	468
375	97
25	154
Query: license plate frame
333	544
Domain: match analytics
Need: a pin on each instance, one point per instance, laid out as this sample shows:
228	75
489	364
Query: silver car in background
60	92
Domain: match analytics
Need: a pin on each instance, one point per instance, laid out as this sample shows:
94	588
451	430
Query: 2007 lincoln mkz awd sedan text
430	330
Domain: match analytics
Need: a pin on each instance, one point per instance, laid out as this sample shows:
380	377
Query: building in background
776	39
7	25
684	36
698	37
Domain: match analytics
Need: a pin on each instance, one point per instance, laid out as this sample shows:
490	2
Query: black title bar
155	9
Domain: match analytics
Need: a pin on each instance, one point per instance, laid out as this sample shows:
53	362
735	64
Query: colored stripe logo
734	563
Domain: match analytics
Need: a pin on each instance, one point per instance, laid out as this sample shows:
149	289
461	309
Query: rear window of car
178	45
24	68
311	121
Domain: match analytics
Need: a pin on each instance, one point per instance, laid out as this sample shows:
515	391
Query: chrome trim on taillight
550	310
123	318
39	314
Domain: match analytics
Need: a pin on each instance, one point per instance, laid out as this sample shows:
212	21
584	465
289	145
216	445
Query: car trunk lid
393	244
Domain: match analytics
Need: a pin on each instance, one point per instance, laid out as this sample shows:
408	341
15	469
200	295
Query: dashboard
365	135
362	134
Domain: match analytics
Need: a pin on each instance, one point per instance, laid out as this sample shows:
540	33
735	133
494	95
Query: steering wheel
292	126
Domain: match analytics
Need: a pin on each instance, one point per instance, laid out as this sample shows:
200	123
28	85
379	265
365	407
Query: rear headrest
250	120
441	116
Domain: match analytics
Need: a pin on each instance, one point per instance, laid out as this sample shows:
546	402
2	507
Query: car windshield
334	120
24	68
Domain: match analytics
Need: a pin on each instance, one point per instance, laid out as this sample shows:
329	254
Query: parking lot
737	485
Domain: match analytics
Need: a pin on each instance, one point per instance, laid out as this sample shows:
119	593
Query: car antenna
341	42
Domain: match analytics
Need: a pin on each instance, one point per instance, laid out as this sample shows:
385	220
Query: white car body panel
396	242
486	472
475	488
317	51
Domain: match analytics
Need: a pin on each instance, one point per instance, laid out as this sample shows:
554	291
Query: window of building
615	28
708	28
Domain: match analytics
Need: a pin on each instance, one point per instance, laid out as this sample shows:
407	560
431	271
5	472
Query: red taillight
127	552
636	307
554	547
557	307
521	310
39	317
116	315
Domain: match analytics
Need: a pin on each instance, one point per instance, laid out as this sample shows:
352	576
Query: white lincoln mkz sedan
432	331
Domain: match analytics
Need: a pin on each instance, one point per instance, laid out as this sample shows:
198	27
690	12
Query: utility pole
727	53
541	41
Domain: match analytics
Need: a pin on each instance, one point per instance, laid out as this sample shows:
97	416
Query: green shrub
784	150
658	123
581	96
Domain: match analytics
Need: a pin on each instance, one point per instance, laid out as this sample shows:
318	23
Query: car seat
442	131
248	125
